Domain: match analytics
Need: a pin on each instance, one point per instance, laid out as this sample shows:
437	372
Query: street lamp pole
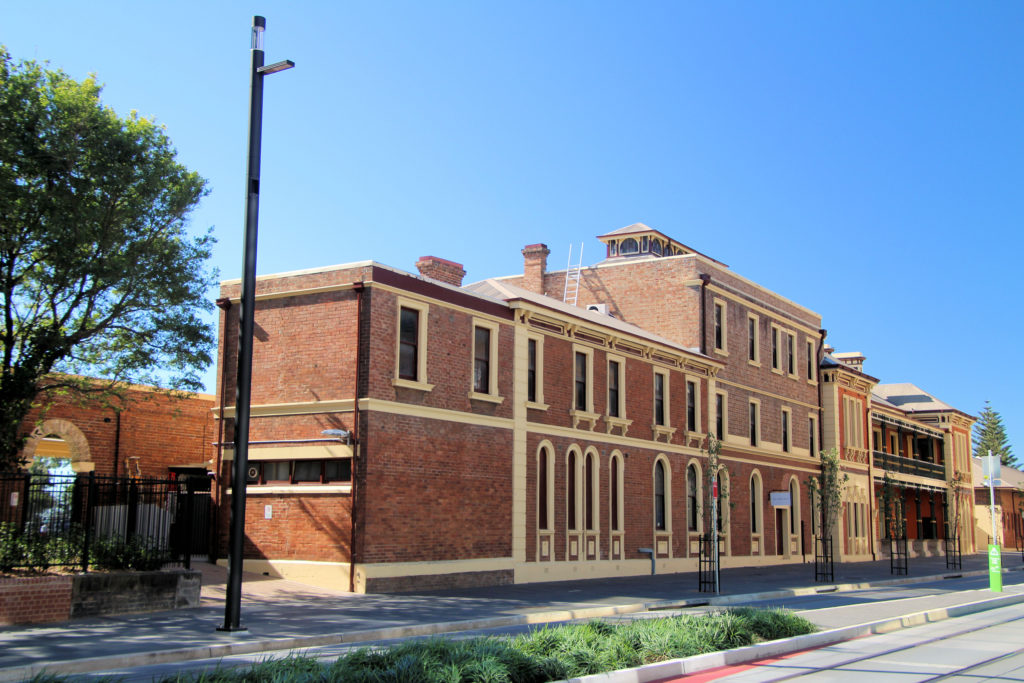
243	379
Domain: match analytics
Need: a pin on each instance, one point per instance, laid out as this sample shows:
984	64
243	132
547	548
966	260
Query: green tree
990	435
98	274
827	492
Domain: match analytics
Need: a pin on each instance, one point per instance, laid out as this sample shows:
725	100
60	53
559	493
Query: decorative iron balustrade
897	463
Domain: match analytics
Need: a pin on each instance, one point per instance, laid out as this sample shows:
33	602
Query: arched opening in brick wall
73	445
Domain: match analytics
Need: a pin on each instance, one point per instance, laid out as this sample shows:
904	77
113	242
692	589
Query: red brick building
147	436
542	426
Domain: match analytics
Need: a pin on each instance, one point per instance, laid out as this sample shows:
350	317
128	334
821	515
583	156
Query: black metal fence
83	521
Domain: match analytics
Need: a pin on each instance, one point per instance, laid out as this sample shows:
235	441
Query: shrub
113	553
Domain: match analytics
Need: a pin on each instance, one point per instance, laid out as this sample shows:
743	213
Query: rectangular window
481	360
753	424
408	351
531	370
720	326
720	416
810	361
752	339
812	440
785	431
659	399
691	406
581	381
613	388
775	348
301	471
791	353
411	318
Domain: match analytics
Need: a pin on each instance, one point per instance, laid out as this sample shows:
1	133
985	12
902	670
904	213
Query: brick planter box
44	599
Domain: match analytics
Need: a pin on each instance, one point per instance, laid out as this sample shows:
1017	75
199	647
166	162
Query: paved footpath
287	615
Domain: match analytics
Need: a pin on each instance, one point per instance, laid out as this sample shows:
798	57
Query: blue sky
863	159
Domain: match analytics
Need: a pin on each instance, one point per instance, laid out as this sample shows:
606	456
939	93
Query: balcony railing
897	463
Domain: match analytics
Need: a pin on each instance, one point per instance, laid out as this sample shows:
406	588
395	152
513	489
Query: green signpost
995	568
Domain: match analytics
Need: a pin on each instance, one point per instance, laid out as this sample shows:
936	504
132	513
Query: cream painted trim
492	394
520	461
345	405
423	320
319	452
768	394
621	377
539	340
775	348
409	410
666	388
296	489
589	353
725	413
756	360
724	323
409	384
786	435
757	423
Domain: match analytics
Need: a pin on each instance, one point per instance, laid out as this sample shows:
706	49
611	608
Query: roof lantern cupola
639	240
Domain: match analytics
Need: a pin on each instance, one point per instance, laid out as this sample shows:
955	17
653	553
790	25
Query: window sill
585	418
295	489
537	406
777	371
490	398
620	422
812	382
411	384
663	431
755	363
722	352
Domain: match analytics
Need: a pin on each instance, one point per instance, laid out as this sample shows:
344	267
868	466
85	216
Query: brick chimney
535	262
441	270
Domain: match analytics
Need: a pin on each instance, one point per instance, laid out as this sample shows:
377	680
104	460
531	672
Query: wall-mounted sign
780	499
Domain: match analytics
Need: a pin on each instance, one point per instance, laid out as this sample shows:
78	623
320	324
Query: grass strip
545	654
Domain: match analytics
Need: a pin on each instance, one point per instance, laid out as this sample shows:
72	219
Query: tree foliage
98	274
990	435
827	491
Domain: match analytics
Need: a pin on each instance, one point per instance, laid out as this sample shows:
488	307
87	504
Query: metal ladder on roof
572	278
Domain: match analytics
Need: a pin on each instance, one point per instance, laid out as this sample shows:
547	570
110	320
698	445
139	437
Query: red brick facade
150	434
497	434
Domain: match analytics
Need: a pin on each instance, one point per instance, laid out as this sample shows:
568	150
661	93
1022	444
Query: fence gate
898	556
708	570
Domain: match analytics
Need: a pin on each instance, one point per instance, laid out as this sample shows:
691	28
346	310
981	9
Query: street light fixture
243	379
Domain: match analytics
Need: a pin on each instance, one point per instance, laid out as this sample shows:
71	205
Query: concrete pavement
286	615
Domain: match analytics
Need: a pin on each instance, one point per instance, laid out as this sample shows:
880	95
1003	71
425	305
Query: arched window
590	491
794	506
755	503
571	491
615	492
659	496
629	246
692	499
544	497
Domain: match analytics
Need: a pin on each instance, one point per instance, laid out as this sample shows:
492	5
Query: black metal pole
243	380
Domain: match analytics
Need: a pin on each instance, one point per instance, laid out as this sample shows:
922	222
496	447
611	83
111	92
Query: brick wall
34	600
159	430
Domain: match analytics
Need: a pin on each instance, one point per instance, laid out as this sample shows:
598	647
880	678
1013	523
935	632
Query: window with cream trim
411	345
